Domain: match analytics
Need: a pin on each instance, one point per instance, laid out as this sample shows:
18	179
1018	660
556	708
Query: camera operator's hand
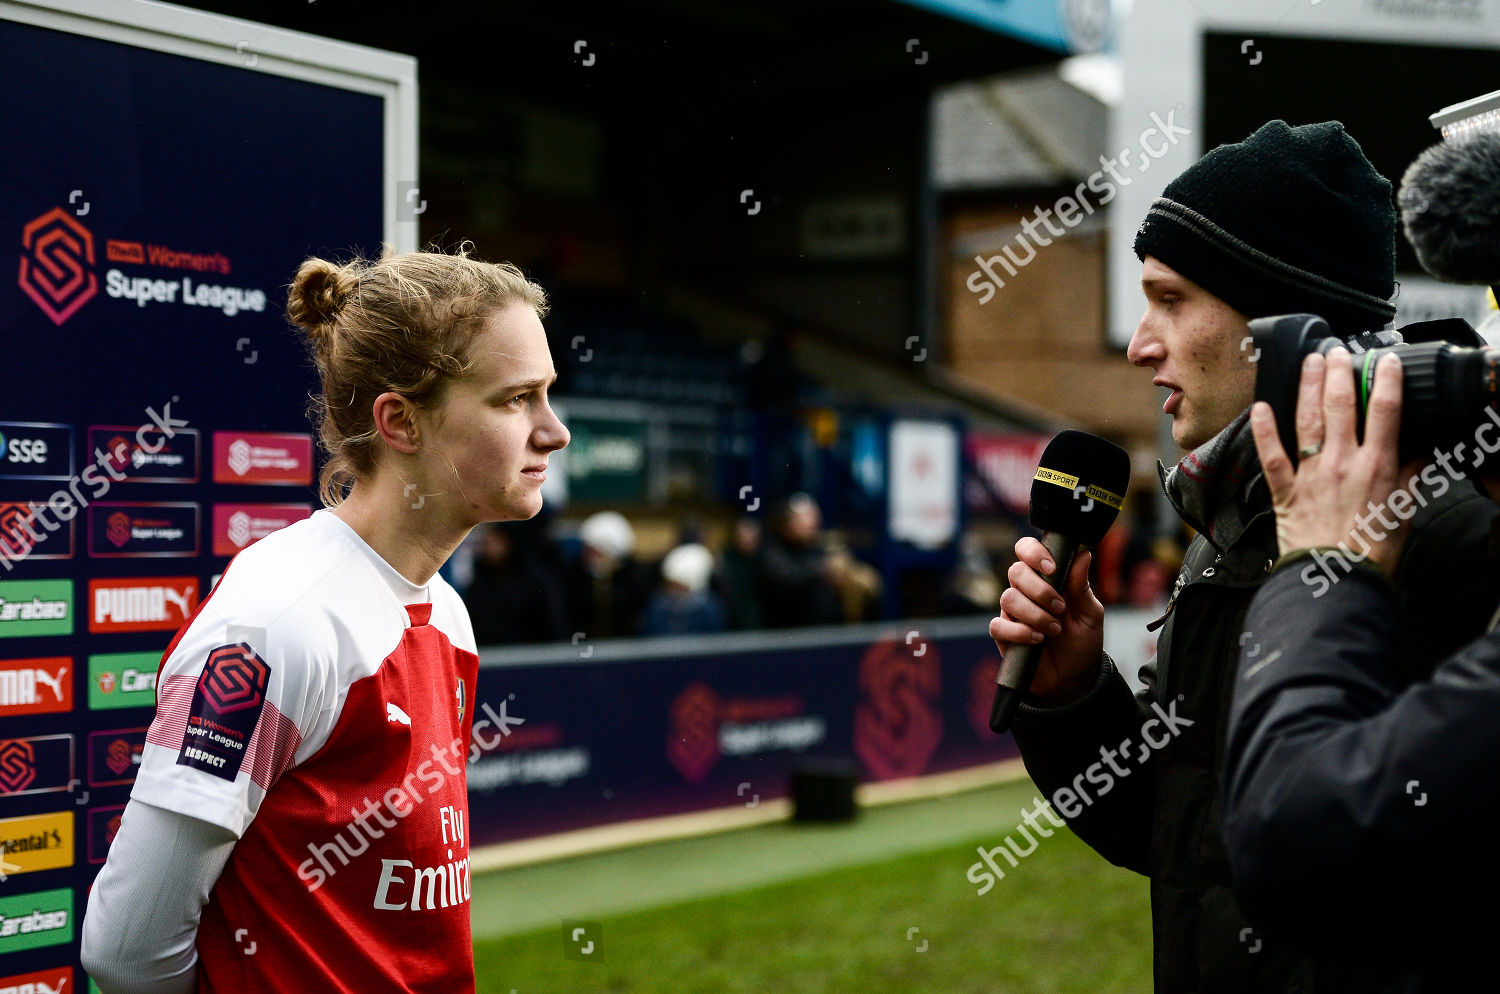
1072	621
1341	487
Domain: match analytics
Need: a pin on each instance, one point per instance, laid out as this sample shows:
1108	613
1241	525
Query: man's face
1192	341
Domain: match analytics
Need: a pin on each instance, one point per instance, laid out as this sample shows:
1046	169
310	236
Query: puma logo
177	597
54	682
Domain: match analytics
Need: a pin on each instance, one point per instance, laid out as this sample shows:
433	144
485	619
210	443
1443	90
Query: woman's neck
413	537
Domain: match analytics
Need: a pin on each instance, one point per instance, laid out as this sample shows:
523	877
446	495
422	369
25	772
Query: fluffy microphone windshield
1450	207
1079	486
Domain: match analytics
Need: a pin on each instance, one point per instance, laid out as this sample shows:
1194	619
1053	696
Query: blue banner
668	726
1062	25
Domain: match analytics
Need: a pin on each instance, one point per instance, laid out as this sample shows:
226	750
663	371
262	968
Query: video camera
1451	213
1448	376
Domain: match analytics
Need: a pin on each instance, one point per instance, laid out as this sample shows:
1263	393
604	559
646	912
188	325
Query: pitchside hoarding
165	180
568	737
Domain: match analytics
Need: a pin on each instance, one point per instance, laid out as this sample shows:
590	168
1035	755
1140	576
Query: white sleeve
235	707
141	926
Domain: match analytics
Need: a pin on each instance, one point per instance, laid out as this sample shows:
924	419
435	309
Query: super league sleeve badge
225	710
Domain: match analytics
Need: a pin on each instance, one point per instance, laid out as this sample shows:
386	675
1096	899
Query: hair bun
319	292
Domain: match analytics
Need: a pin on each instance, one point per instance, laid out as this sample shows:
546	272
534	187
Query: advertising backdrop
152	406
682	724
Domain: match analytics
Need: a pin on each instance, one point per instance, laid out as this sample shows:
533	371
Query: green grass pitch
1062	921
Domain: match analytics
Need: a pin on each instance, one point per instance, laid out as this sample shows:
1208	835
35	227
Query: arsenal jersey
317	705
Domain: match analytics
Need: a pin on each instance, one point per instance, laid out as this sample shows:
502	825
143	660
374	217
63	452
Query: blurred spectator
606	587
1132	565
740	579
974	588
858	583
513	596
684	605
801	578
1152	559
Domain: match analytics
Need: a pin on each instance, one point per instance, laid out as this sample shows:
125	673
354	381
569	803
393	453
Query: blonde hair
403	323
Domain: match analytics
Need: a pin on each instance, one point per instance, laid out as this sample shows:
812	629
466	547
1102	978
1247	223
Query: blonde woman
300	819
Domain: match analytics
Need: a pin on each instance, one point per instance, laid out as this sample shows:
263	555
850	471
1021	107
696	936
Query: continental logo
37	842
57	264
58	272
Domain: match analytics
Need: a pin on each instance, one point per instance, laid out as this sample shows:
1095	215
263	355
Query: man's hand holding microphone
1071	621
1051	626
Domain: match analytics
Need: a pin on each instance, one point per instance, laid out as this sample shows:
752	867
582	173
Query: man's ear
396	421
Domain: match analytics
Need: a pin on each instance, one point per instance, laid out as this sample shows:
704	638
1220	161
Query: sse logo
36	450
57	259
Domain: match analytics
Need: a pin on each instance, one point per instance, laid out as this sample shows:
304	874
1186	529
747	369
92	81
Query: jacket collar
1219	487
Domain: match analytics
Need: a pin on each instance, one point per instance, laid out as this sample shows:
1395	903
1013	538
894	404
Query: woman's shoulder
303	570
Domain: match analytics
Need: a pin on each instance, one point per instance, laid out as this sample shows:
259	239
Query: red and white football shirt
317	705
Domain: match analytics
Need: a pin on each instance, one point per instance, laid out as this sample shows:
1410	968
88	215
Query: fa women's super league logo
57	264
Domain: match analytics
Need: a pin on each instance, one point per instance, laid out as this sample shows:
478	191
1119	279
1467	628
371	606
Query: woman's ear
395	420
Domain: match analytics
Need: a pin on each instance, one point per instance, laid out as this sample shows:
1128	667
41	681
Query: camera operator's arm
1346	797
1078	707
1331	768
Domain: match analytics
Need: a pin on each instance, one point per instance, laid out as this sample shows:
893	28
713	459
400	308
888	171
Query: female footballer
300	818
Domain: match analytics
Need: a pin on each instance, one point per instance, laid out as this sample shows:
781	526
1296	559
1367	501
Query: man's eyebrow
1159	282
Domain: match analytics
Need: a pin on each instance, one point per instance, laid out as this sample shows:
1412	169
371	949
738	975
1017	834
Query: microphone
1450	209
1075	496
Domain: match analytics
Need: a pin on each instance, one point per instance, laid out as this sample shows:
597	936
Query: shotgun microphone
1075	496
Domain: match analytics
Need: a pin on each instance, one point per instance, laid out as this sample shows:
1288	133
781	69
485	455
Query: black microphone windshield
1079	486
1450	208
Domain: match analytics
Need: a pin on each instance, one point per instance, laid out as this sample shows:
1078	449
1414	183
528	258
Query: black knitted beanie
1290	220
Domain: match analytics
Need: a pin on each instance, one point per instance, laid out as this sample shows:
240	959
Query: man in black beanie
1293	219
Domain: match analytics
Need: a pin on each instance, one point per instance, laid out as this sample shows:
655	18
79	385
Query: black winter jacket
1161	818
1359	815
